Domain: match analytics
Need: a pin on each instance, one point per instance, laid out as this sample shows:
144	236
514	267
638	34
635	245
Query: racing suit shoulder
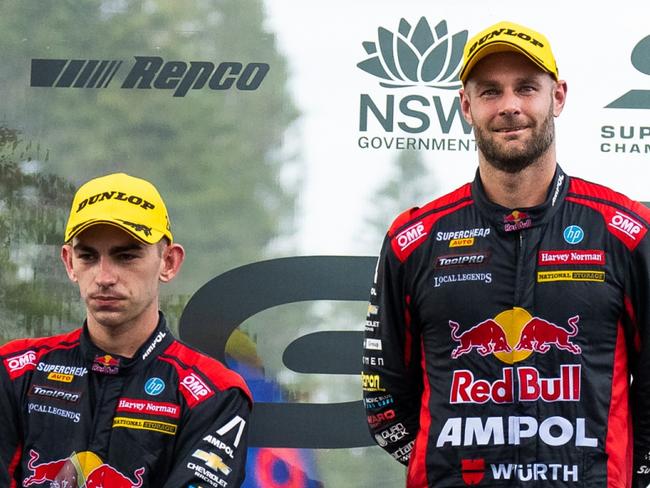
22	355
185	358
626	219
409	229
48	342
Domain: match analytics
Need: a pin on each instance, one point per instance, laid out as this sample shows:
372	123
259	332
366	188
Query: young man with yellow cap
119	402
508	318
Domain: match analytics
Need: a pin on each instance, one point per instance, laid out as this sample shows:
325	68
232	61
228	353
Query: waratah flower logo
416	57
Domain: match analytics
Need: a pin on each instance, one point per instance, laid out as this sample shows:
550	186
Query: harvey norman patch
551	258
570	275
140	424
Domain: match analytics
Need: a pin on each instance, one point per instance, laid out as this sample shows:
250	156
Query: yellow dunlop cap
507	36
133	204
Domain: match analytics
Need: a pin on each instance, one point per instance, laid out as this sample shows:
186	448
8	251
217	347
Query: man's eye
126	257
86	257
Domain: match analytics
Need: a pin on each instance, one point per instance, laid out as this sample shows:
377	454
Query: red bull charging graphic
513	335
80	470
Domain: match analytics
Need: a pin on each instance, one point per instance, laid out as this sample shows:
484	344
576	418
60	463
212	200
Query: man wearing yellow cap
508	318
119	402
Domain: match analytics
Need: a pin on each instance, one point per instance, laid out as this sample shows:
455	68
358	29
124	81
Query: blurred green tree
410	184
215	155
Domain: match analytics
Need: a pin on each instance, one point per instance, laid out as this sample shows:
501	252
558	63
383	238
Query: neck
122	339
524	189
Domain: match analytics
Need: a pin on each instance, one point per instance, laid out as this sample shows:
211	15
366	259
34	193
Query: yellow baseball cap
507	36
131	203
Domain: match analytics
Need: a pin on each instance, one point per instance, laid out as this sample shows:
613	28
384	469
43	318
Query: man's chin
108	317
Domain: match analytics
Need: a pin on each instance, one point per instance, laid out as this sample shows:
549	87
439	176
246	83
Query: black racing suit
499	343
71	414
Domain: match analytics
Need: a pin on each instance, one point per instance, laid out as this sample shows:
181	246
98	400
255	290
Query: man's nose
106	275
510	103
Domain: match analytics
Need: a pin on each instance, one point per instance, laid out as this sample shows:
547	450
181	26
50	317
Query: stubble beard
514	160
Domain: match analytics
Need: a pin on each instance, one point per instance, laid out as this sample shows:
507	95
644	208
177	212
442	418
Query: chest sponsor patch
147	407
461	242
63	378
438	281
141	424
33	407
571	275
460	260
47	392
464	237
552	258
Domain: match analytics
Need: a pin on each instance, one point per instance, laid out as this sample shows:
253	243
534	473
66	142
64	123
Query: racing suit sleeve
392	379
212	445
10	437
638	291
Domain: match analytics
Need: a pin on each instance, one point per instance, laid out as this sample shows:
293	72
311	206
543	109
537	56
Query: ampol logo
416	56
513	335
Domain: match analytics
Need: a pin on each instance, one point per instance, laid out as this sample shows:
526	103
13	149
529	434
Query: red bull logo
80	470
513	335
517	220
106	364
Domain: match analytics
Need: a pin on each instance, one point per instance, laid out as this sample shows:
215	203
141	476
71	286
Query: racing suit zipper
519	269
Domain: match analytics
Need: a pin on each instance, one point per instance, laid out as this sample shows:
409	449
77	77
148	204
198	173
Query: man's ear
172	260
66	257
464	105
559	97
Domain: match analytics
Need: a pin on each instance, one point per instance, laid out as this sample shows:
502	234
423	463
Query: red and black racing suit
499	343
71	414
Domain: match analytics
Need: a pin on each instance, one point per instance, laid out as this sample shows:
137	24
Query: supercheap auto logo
148	73
416	56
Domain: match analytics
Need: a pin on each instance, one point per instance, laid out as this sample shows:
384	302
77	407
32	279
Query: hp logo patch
154	386
573	234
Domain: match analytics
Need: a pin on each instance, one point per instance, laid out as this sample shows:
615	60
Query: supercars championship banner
285	136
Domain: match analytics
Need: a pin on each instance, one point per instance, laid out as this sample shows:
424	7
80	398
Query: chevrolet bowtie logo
213	461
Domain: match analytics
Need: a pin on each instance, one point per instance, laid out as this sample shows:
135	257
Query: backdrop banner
285	137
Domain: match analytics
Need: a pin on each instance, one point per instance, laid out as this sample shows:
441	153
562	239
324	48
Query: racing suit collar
507	220
103	363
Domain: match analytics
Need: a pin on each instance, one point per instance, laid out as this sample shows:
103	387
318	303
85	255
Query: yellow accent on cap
507	36
130	203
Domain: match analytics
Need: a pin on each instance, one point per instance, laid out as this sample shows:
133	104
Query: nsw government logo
415	58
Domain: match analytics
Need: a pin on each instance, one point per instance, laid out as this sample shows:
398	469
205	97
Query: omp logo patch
148	72
410	235
16	364
415	56
194	389
626	224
